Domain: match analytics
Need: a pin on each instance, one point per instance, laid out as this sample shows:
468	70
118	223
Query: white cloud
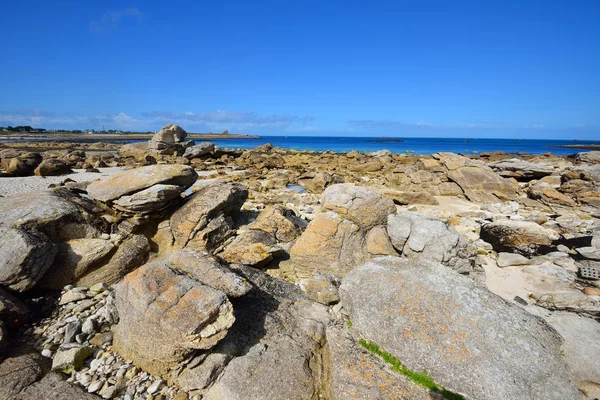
110	20
47	120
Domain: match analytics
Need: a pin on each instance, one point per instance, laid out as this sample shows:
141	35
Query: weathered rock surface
379	243
26	256
206	270
407	198
418	236
521	169
358	375
132	181
53	387
52	167
131	253
329	243
465	337
591	157
512	259
317	182
164	316
199	150
322	288
169	140
524	237
280	223
254	247
24	165
70	357
21	368
279	335
360	205
581	340
482	185
190	224
155	198
73	260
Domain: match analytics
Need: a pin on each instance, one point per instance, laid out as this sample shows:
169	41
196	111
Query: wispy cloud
44	119
390	125
223	119
111	20
216	121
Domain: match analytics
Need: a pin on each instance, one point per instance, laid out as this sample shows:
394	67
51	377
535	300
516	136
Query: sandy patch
18	185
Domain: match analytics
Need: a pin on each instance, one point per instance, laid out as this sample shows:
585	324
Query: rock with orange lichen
356	374
329	243
358	204
164	316
194	224
469	340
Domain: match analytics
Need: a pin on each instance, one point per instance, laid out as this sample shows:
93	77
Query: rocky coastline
186	271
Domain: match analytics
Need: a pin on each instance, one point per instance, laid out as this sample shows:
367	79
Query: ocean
395	145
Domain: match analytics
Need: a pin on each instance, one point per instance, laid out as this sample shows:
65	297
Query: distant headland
111	134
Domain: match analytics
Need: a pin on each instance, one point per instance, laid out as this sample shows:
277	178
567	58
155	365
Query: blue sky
527	69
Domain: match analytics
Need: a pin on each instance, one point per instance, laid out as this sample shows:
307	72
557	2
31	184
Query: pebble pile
78	339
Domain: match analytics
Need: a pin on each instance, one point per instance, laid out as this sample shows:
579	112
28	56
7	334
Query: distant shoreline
580	146
120	136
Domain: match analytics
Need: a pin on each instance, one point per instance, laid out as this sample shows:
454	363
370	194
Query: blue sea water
395	145
416	145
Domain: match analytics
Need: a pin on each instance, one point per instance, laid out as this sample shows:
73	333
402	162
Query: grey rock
482	185
128	182
591	157
511	259
71	296
521	169
279	334
53	387
155	198
74	259
130	254
89	326
199	150
590	253
210	202
21	368
169	140
465	337
322	288
418	236
26	256
581	340
207	270
71	330
360	205
164	316
357	374
69	358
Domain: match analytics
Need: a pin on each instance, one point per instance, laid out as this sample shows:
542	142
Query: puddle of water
295	188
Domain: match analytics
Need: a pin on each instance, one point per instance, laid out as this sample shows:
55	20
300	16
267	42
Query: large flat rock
469	340
134	180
